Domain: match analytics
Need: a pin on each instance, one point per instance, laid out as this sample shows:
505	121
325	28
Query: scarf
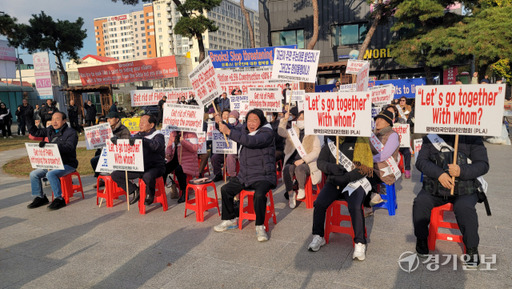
383	131
363	157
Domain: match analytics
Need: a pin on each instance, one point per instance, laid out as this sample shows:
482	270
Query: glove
132	141
114	140
42	144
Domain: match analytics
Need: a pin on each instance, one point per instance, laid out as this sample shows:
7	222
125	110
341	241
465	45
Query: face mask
232	120
290	118
269	118
300	124
210	115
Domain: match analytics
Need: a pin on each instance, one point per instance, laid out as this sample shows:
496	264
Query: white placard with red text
266	99
182	117
404	133
354	66
96	135
124	157
460	109
205	82
418	142
243	78
153	96
362	78
382	94
332	113
295	65
201	140
209	130
47	157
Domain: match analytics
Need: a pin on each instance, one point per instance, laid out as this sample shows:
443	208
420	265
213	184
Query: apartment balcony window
348	34
289	37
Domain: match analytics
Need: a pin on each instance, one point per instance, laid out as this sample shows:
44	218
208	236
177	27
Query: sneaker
217	178
38	202
226	225
422	247
407	174
301	194
471	258
57	204
376	199
359	252
291	201
317	242
261	234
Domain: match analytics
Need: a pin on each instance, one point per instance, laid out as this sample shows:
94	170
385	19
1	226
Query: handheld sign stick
290	103
455	149
225	169
127	195
217	112
337	154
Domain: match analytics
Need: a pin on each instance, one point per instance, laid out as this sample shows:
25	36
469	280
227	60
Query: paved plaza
83	246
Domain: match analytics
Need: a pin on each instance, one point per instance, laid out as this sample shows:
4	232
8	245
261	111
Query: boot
149	199
182	198
473	260
136	197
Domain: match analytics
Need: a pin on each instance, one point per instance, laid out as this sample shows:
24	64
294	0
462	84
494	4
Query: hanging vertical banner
42	75
205	82
295	65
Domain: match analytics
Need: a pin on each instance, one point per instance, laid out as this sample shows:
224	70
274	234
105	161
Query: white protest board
219	145
404	133
205	82
182	117
210	129
47	158
296	95
103	166
295	64
201	140
300	105
237	102
124	157
354	66
245	77
153	96
382	94
375	111
460	109
266	99
96	135
362	78
418	142
333	113
347	87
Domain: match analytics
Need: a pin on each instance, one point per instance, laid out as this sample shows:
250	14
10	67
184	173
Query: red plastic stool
311	194
67	187
279	170
401	165
110	192
436	222
247	212
201	202
160	196
334	218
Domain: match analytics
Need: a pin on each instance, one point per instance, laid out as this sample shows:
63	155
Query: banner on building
130	71
205	82
42	75
344	114
295	65
250	57
182	117
96	135
125	157
450	75
460	109
266	99
153	96
7	60
47	158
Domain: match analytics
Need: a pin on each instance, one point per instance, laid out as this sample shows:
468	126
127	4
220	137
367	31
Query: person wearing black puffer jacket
66	139
257	169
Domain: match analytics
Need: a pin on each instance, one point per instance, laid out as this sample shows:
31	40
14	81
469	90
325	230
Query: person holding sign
348	180
173	165
187	147
301	152
406	152
385	143
257	170
229	160
66	139
153	147
435	161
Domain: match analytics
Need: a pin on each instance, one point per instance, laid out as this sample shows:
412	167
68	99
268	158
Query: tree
249	24
314	38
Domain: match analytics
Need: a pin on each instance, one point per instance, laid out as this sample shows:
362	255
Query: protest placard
210	129
47	157
201	140
460	109
96	135
362	78
239	103
348	87
243	78
261	56
182	117
102	166
153	96
266	99
295	65
132	123
219	145
375	111
354	66
404	133
332	113
418	142
403	87
295	95
382	94
124	157
205	82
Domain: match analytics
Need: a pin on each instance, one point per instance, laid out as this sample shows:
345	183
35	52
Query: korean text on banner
262	56
130	71
295	65
239	103
153	96
219	145
266	99
182	117
205	82
404	134
124	157
296	95
346	114
42	75
460	109
96	135
44	158
362	78
382	94
102	166
354	66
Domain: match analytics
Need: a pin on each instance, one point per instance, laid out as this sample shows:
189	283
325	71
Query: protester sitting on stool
66	139
435	161
153	148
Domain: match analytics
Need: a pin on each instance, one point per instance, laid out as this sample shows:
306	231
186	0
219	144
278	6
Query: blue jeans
52	176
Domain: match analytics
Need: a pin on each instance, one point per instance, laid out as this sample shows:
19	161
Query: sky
71	10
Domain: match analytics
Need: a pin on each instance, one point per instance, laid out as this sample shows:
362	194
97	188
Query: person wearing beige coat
296	166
